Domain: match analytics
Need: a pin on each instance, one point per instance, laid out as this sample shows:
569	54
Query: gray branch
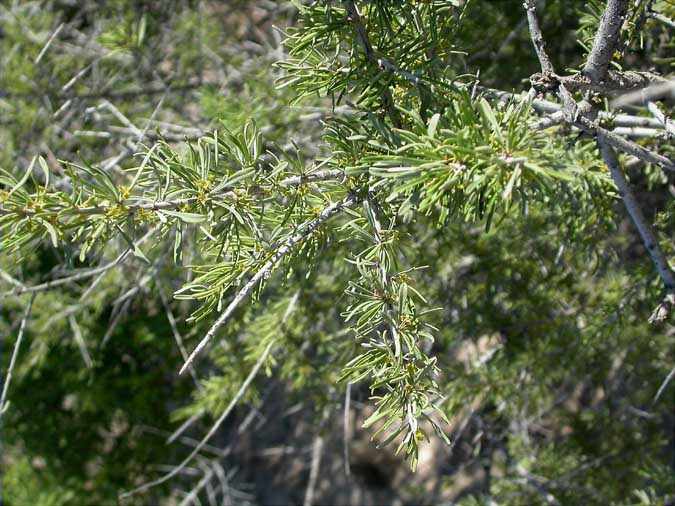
613	82
624	145
635	212
662	118
663	19
537	37
15	354
606	40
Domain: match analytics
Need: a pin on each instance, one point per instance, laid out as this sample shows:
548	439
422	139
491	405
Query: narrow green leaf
184	217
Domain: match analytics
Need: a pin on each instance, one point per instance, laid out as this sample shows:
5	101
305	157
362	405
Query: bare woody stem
537	37
625	145
48	285
15	353
633	208
663	19
606	40
214	428
667	123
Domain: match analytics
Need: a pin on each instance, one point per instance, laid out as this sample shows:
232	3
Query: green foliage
422	243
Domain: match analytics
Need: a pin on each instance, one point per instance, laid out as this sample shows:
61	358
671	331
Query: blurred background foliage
549	367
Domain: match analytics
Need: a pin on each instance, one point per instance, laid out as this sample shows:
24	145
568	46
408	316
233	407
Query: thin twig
317	451
190	498
346	428
640	133
188	441
80	275
111	94
15	354
664	384
618	142
49	43
362	35
105	104
384	277
114	322
174	330
184	426
70	279
77	333
78	75
203	443
132	205
662	118
614	82
663	19
537	37
11	280
547	107
650	93
549	121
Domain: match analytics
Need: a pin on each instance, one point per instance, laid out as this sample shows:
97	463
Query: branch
640	133
49	43
192	497
79	276
636	132
635	212
317	451
15	353
578	115
663	386
110	94
624	145
184	426
104	209
303	231
663	19
606	40
549	121
653	92
613	82
77	334
11	280
132	206
548	107
174	330
319	175
537	37
662	118
385	279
